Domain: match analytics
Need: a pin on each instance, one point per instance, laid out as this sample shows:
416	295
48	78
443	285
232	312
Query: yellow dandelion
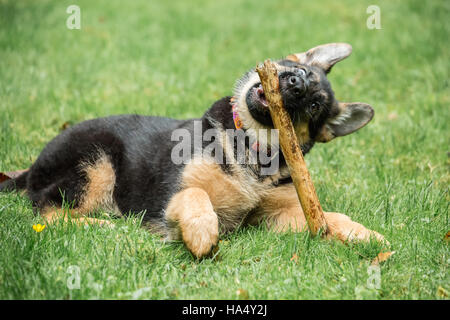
38	227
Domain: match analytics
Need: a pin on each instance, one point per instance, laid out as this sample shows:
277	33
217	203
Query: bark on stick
291	150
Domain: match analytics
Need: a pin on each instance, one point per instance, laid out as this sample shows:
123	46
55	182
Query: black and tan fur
122	164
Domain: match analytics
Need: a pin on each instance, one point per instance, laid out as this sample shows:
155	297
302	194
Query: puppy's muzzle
294	84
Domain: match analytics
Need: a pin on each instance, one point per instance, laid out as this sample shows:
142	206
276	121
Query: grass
174	59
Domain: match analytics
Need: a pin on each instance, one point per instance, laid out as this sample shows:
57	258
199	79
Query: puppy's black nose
293	80
296	85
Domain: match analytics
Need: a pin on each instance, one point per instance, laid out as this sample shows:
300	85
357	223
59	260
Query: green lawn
175	58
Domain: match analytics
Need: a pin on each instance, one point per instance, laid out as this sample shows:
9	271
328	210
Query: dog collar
237	120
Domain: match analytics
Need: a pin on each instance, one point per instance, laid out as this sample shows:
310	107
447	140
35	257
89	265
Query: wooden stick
291	149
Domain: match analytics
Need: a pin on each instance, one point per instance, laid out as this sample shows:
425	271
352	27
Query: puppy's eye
302	72
315	105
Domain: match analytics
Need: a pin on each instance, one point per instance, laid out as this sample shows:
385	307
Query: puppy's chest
234	192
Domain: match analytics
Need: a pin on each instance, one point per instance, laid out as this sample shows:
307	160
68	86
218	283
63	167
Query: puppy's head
307	96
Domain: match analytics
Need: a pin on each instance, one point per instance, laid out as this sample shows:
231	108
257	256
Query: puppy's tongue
262	96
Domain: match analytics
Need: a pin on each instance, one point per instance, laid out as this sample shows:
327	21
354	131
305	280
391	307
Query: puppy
199	178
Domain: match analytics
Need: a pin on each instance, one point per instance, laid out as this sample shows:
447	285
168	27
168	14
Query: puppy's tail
15	184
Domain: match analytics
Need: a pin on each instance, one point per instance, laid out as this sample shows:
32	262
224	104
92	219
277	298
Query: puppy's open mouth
260	96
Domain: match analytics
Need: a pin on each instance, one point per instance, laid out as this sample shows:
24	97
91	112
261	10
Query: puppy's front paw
343	228
201	234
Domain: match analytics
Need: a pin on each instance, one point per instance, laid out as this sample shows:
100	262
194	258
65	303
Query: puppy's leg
52	214
343	228
282	212
94	191
192	214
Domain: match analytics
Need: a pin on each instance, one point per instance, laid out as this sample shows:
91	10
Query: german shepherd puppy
127	164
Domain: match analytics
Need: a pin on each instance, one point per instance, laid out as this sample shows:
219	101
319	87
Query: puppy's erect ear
351	117
324	56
